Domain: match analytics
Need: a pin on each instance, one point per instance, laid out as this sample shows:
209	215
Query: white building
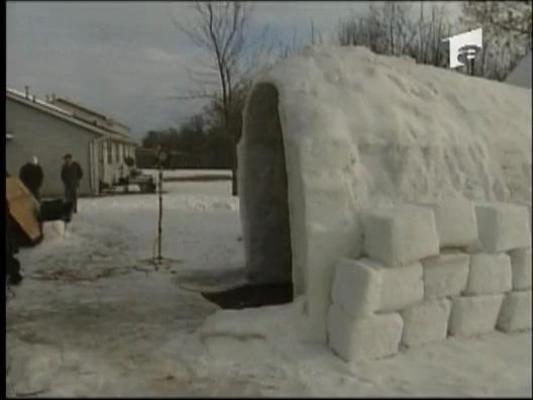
50	129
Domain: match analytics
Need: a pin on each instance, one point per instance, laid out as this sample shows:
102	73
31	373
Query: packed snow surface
356	130
92	319
401	130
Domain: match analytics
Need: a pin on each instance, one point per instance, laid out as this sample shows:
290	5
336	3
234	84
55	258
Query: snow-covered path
92	319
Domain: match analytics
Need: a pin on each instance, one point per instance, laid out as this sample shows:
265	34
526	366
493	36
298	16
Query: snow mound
33	369
54	230
333	130
260	323
402	130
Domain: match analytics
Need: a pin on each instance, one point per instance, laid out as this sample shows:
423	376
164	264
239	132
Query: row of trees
233	56
507	28
396	28
195	144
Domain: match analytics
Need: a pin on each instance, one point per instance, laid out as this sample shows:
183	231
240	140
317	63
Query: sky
128	59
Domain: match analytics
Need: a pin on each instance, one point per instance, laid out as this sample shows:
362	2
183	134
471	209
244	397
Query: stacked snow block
485	300
428	272
369	294
505	234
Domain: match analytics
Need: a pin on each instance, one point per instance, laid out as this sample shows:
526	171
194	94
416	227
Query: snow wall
330	131
448	269
521	75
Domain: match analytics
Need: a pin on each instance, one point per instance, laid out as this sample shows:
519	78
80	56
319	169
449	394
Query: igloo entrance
264	208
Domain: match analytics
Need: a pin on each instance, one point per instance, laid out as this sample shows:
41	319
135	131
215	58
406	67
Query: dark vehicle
145	182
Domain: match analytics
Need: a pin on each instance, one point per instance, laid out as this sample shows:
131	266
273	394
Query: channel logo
464	47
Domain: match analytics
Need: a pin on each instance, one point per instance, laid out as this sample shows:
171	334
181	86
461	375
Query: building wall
49	138
114	166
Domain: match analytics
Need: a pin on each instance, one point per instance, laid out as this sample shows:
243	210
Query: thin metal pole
160	228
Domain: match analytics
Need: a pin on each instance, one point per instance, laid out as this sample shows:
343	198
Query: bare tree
220	30
393	29
507	29
511	17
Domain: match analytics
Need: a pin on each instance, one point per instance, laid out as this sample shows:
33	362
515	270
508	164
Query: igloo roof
415	131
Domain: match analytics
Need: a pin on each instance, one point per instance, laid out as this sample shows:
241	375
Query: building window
117	154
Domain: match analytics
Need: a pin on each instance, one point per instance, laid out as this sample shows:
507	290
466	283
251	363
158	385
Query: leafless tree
507	30
512	17
393	29
220	29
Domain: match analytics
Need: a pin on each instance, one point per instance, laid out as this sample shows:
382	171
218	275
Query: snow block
521	266
399	236
356	288
474	315
445	275
515	313
503	227
399	287
489	274
425	322
53	230
456	223
368	338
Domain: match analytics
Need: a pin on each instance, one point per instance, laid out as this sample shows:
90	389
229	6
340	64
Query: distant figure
71	174
31	174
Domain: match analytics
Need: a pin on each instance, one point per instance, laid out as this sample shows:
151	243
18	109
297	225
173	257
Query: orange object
23	207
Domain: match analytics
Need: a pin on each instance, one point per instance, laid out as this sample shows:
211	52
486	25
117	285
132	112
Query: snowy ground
188	173
93	319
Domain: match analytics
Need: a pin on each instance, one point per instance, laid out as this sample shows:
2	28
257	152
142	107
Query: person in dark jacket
12	264
71	174
31	174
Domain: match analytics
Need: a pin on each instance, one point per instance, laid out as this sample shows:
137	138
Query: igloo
332	131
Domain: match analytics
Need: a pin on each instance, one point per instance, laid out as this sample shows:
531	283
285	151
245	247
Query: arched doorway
265	210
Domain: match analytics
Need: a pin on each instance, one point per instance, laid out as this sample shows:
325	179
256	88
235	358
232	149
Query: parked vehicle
133	176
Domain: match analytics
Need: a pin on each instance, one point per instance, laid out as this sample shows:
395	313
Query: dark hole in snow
251	295
265	194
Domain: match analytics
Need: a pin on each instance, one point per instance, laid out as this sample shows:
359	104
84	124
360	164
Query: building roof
64	115
88	110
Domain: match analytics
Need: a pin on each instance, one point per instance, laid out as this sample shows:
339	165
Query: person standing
12	264
31	174
71	174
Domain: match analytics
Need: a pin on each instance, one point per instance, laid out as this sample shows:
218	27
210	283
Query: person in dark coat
12	264
31	174
71	174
